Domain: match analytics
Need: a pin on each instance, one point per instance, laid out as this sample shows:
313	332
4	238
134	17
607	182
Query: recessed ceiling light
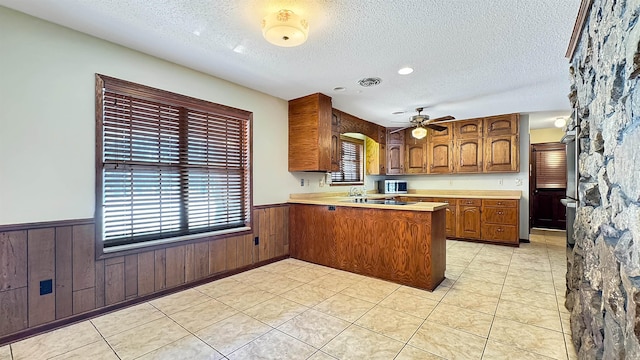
196	32
339	88
405	71
560	122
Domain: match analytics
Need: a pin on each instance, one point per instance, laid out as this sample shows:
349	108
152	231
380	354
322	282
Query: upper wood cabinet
310	133
335	141
468	155
376	155
501	153
415	153
467	129
440	151
395	152
501	125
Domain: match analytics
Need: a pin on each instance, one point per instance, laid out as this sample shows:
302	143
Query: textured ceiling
471	58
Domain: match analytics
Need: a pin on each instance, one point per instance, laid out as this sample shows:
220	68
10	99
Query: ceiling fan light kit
419	132
285	28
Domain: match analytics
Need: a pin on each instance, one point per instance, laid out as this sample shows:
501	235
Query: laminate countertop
362	202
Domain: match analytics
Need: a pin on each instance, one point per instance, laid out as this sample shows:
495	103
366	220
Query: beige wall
550	135
47	121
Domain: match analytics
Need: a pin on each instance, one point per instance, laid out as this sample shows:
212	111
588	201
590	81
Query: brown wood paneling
131	276
217	256
265	235
160	269
13	310
13	260
256	233
232	252
83	257
146	272
245	254
285	230
175	266
278	223
114	260
84	300
114	283
100	287
273	213
41	266
189	263
201	259
64	272
310	133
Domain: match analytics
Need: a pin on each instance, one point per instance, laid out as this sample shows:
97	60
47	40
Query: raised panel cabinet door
416	159
395	137
441	136
468	156
501	154
468	222
383	159
468	129
501	125
439	158
335	151
395	159
450	219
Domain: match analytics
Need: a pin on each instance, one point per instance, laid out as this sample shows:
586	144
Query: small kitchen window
169	167
351	163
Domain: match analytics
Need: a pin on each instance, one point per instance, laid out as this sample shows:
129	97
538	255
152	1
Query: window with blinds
351	163
170	165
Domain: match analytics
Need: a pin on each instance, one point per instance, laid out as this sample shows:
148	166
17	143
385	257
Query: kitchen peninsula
403	243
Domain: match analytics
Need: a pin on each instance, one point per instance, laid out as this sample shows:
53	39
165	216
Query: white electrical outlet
322	181
301	182
518	182
499	181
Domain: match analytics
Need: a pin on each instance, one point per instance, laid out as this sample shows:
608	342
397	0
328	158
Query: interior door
548	183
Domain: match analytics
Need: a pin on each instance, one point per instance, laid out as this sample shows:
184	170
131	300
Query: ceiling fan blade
444	118
436	127
398	130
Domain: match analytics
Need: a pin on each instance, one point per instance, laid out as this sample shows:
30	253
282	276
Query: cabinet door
335	141
395	159
468	222
501	125
439	157
383	159
450	218
395	138
501	154
440	136
468	155
416	159
468	129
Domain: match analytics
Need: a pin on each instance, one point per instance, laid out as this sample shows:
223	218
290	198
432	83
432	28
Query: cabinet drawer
469	202
503	216
445	200
501	233
500	203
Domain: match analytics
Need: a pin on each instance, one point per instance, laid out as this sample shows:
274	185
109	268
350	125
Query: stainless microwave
392	187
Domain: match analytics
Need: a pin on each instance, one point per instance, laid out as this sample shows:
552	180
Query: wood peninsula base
403	246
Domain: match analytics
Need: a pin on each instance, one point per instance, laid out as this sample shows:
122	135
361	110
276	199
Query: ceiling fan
420	122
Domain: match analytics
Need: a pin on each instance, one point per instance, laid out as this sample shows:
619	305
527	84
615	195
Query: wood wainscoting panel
41	267
13	260
114	282
146	273
130	276
231	258
217	256
83	257
64	271
201	259
13	312
189	263
175	273
84	300
100	287
160	269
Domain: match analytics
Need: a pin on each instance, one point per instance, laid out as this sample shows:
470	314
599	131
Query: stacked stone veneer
603	277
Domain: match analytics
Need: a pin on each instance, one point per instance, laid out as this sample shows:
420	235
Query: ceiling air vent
369	82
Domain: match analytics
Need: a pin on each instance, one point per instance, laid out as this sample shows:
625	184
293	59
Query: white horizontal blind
168	169
351	164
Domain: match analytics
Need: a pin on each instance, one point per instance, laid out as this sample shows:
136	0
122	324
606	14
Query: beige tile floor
496	303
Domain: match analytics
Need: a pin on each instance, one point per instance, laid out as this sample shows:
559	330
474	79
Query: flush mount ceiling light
419	132
560	122
284	28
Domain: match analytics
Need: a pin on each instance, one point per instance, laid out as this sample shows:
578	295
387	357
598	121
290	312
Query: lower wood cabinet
494	220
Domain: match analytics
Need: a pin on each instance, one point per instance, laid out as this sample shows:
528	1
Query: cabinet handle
500	212
500	230
500	203
469	202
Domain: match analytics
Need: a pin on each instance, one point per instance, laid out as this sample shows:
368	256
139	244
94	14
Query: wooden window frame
190	108
357	142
